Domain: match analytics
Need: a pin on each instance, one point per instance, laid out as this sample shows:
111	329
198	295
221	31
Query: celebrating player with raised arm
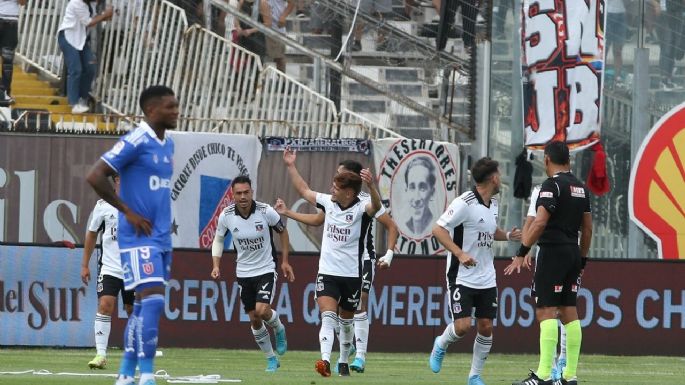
361	319
339	280
251	224
144	161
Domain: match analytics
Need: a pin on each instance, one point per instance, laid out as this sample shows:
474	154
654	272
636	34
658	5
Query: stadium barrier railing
141	46
353	125
218	80
38	25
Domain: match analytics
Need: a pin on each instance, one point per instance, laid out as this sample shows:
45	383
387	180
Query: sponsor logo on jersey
558	288
577	192
546	194
574	288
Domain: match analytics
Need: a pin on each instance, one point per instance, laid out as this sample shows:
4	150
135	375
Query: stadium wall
627	307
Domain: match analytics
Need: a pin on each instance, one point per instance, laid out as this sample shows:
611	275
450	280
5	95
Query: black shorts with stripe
112	286
557	275
463	299
345	290
256	289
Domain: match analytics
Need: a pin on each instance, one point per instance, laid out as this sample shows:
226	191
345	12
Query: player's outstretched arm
375	205
289	157
286	269
308	219
385	261
97	178
88	247
443	236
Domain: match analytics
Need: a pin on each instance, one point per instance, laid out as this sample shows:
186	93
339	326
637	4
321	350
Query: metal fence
141	46
38	25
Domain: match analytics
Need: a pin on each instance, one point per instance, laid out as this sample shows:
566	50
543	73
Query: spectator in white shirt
78	56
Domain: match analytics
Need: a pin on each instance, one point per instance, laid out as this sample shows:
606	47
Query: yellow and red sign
657	184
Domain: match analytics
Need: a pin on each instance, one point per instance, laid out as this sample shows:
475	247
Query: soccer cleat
99	362
437	355
533	379
561	365
358	365
125	380
272	364
281	342
476	380
343	369
149	382
323	367
572	381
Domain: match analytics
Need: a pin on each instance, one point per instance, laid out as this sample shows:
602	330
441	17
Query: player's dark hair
152	94
241	179
483	169
557	151
421	161
352	165
348	179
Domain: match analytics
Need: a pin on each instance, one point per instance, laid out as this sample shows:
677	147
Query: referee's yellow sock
574	336
548	344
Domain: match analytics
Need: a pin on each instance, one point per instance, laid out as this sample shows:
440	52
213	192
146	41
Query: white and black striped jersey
252	238
369	248
472	225
342	248
104	219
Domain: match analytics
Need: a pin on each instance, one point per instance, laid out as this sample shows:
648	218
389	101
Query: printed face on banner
417	181
562	66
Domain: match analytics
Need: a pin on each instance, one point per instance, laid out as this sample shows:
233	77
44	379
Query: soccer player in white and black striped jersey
251	224
467	229
361	318
110	276
339	280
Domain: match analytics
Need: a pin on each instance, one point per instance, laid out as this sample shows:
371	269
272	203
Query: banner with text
42	299
562	65
417	180
204	166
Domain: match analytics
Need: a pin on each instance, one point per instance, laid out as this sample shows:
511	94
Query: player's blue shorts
143	265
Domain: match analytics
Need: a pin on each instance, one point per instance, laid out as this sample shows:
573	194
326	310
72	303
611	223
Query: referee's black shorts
557	275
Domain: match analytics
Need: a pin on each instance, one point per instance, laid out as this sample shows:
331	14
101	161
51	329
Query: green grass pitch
297	367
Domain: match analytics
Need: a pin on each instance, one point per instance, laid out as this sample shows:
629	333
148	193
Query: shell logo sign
657	184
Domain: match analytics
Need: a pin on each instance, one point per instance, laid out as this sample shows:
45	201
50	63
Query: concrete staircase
38	106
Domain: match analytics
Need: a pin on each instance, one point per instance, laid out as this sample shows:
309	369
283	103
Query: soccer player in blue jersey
143	160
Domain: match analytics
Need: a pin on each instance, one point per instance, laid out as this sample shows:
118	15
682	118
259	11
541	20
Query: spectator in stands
249	37
73	40
193	9
9	38
447	10
616	32
670	30
280	9
382	9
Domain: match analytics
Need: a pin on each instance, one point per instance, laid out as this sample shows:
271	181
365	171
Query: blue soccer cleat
281	342
476	380
437	355
358	365
272	364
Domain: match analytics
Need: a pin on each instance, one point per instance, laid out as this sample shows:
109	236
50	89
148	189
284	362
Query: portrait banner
562	64
204	166
417	180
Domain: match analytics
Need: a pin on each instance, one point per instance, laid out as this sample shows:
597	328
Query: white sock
346	336
125	380
103	324
562	341
145	377
361	334
327	334
274	322
481	349
263	339
448	336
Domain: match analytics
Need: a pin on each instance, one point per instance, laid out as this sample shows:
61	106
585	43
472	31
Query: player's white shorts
142	265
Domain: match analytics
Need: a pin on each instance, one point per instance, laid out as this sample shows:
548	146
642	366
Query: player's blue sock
130	358
153	306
